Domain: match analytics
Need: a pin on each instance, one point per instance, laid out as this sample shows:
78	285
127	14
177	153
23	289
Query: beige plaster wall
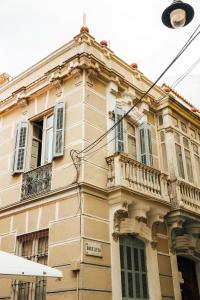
61	217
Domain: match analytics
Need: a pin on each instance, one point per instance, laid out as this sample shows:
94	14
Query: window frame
33	255
134	267
135	137
188	171
43	118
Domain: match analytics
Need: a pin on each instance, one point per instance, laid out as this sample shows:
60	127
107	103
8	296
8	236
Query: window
183	127
119	130
174	121
163	151
196	161
133	268
32	246
131	141
188	165
179	159
146	144
183	157
47	140
160	120
193	133
42	142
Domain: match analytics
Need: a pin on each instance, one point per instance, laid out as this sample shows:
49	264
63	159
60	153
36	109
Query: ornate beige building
121	219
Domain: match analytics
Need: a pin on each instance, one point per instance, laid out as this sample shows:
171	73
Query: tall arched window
133	268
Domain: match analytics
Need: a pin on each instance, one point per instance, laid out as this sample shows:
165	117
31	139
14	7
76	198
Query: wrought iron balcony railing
37	181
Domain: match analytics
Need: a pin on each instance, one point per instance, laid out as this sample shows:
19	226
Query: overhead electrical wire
183	49
185	73
174	84
75	155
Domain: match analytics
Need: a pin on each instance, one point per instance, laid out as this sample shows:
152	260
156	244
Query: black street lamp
178	14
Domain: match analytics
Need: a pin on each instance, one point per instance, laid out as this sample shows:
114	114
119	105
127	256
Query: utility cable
183	49
180	78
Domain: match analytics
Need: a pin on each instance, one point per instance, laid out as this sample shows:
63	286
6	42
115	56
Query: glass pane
120	135
162	136
132	147
49	145
185	142
144	285
195	149
136	261
177	137
27	248
122	256
23	290
179	161
160	118
130	285
197	166
123	284
129	260
174	121
149	141
164	157
193	133
142	257
183	127
142	142
40	289
137	285
188	166
131	130
50	121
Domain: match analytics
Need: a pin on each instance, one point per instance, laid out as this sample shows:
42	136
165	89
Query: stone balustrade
127	172
188	196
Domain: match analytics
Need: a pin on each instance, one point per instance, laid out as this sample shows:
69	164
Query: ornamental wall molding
137	223
84	61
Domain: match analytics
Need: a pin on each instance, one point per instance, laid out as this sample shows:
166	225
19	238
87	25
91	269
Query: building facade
119	217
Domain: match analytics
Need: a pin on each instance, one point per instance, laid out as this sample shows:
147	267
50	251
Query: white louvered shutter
20	147
146	144
119	130
58	129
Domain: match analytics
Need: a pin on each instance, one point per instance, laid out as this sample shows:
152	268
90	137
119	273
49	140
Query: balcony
188	197
36	182
140	178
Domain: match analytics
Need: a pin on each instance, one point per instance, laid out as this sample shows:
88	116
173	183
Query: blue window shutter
20	147
145	144
119	130
58	129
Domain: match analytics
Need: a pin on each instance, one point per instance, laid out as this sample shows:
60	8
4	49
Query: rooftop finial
84	28
84	19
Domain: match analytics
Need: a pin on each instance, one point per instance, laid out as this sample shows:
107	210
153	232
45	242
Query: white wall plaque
93	248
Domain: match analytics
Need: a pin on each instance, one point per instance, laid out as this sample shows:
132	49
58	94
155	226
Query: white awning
18	268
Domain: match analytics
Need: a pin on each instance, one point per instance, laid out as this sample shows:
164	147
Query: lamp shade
178	14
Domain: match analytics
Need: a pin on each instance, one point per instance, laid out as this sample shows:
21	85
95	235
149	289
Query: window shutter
145	144
119	134
20	147
58	129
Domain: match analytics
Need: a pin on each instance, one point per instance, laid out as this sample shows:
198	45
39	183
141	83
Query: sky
32	29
